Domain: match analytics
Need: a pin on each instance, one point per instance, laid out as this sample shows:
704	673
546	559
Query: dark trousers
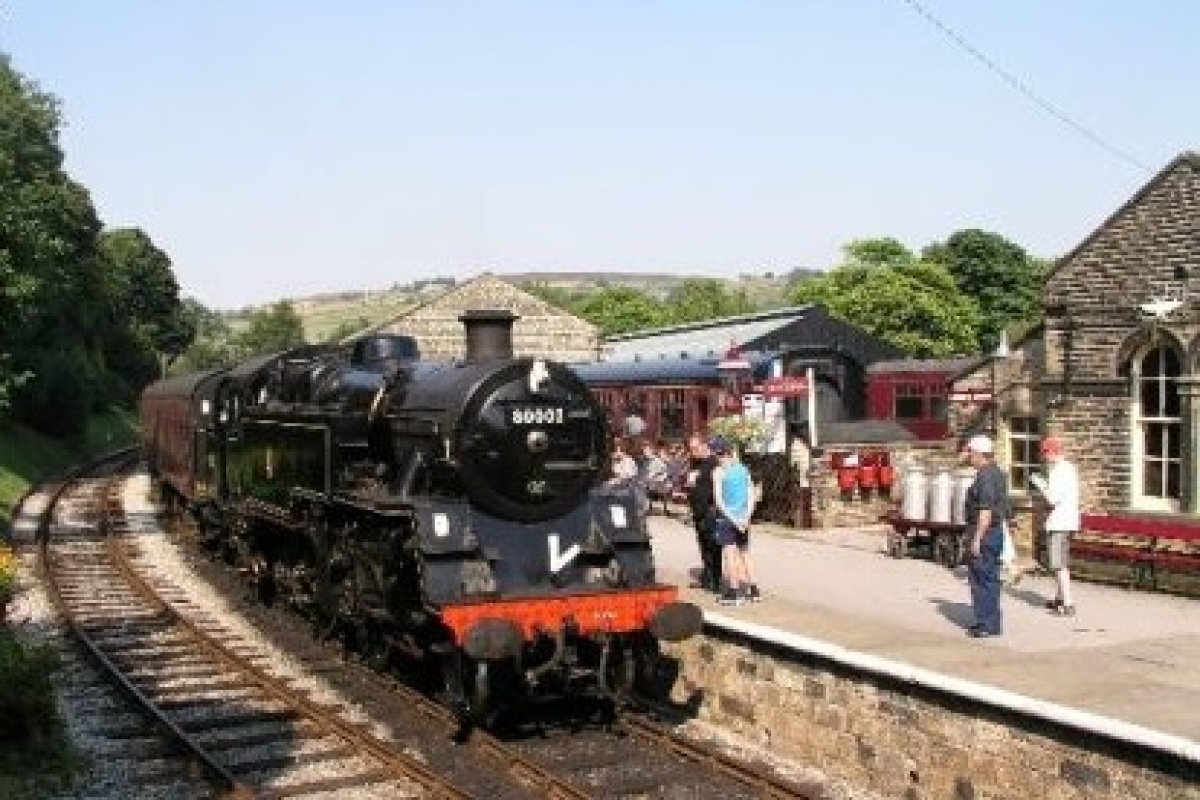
983	576
710	555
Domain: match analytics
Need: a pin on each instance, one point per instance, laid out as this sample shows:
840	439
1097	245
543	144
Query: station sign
733	362
783	387
971	396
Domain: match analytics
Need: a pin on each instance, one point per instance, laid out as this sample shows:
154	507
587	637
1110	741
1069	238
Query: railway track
206	707
203	698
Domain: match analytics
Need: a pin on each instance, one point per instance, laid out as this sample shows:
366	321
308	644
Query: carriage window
909	401
671	416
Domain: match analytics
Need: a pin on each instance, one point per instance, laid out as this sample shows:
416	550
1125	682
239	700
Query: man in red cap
1060	489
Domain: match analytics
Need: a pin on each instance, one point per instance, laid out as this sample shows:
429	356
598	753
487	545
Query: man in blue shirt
734	501
986	511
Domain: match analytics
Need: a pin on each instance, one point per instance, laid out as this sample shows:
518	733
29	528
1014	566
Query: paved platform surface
1130	655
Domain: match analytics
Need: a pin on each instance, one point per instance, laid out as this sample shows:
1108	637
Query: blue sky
279	148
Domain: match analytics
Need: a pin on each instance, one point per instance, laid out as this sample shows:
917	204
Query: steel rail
398	765
633	717
231	787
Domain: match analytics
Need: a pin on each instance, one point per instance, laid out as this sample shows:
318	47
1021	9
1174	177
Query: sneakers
752	593
1056	607
731	597
978	632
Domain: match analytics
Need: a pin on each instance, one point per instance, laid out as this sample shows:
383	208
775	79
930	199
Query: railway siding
907	731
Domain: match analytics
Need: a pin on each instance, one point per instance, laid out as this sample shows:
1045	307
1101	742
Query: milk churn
963	479
941	490
904	465
916	489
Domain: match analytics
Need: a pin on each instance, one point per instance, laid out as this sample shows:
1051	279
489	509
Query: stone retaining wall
906	740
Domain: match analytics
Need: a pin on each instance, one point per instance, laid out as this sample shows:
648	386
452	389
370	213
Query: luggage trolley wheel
947	549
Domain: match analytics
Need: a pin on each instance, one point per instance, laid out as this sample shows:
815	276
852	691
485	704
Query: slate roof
865	432
654	370
711	338
950	366
796	330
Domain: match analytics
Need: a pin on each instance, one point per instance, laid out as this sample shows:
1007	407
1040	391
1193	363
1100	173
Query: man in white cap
986	511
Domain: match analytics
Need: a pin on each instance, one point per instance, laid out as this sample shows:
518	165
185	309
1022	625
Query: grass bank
27	456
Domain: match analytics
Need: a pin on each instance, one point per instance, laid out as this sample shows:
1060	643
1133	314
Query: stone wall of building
1099	312
542	330
903	740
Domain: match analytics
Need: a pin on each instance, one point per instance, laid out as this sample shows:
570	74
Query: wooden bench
945	538
1147	544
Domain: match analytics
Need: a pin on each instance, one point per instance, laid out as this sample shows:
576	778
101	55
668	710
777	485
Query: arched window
1158	435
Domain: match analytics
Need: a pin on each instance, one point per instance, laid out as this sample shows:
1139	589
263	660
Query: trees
1002	279
705	298
49	269
212	342
885	290
277	327
146	324
83	316
620	309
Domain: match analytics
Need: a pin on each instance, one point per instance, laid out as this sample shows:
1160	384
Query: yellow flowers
8	572
740	429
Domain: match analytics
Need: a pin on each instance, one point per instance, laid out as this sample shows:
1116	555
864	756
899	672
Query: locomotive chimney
489	334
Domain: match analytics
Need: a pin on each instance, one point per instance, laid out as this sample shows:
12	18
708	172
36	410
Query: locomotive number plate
537	415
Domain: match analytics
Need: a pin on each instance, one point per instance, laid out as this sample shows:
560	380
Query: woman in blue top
734	499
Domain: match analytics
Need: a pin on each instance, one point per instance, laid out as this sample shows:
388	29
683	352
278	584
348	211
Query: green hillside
326	314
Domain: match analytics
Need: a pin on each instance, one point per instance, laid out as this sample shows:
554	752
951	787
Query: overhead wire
1024	88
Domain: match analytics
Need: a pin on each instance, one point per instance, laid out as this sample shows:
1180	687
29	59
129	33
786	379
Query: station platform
1130	655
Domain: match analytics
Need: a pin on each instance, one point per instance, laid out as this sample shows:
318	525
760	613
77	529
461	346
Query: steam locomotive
447	512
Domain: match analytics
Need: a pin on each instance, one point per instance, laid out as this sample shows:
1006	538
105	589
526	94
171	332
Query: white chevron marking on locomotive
539	376
558	560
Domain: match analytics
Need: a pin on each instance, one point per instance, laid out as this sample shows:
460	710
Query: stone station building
1115	367
541	330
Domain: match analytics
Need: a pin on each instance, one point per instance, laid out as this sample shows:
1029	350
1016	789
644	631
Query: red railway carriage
914	393
177	416
673	397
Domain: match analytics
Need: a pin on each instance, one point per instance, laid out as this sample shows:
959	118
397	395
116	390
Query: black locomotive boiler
449	512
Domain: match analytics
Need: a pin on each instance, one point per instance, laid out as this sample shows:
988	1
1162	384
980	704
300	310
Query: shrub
746	432
37	757
63	391
8	576
27	699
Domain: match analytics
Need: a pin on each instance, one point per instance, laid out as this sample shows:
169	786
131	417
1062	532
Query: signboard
733	363
783	387
970	396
